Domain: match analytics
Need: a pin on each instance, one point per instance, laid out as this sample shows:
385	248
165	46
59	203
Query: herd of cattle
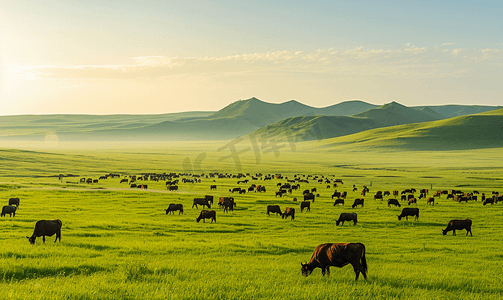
325	255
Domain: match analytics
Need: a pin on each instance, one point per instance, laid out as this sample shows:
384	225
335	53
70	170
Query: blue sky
107	56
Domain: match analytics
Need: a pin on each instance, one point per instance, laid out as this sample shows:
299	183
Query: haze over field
133	57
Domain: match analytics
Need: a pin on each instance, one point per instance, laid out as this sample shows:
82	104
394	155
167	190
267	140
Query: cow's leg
328	270
454	232
357	271
323	271
43	238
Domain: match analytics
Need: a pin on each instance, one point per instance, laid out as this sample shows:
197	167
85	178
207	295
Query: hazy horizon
132	57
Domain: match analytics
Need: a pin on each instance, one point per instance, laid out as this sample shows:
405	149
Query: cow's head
399	217
337	222
444	232
306	270
31	239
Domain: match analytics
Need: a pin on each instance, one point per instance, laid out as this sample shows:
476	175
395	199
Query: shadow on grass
20	273
91	246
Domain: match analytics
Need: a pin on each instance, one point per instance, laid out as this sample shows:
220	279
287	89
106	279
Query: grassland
118	243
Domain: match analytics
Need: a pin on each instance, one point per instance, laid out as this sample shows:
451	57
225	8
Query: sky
153	57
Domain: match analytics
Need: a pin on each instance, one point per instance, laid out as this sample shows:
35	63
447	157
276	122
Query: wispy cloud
409	61
448	44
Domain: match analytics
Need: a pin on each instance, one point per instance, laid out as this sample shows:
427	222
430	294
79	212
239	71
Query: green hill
397	114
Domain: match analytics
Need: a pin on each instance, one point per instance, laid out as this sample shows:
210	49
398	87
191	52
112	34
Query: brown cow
337	255
431	201
458	225
207	214
288	212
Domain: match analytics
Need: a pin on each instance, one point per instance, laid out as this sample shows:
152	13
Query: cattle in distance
14	201
288	212
306	205
174	207
339	201
458	225
337	255
273	209
357	202
201	201
207	214
45	228
393	202
347	217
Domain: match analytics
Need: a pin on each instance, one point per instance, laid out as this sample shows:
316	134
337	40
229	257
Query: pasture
118	242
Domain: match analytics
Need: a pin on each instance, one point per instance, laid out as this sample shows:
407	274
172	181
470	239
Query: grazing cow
9	209
305	192
237	190
488	201
273	209
173	188
395	193
412	200
337	255
213	187
394	202
339	201
403	197
229	204
280	193
133	185
207	214
309	196
14	201
409	211
336	194
431	201
46	228
346	217
458	225
201	201
378	196
174	207
124	180
386	193
288	212
209	198
313	190
358	202
305	204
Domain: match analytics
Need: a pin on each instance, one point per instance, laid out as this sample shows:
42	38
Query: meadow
118	242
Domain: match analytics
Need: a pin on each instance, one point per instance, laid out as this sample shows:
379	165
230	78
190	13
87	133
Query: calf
409	211
458	225
305	204
394	202
346	217
288	212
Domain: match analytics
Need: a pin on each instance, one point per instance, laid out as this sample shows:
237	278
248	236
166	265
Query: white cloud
448	44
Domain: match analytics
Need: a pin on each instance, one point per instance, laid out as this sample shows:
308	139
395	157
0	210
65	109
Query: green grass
118	243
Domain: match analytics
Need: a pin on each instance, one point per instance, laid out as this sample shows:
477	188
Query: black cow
305	204
358	201
394	202
288	212
213	187
347	217
339	201
458	225
409	211
336	194
9	209
174	207
209	198
46	228
237	190
309	196
201	201
207	214
14	201
337	255
172	188
488	201
274	209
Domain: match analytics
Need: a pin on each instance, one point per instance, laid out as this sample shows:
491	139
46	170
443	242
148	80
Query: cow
201	201
337	255
174	207
209	198
347	217
409	211
237	190
306	205
358	201
394	202
173	188
213	187
431	201
309	196
412	200
336	194
339	201
378	196
458	225
14	201
229	204
288	212
207	214
46	228
273	209
488	201
9	209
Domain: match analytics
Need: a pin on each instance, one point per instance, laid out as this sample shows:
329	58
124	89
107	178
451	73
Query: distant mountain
477	131
397	114
452	110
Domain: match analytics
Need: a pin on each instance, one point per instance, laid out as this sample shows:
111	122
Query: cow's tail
364	260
